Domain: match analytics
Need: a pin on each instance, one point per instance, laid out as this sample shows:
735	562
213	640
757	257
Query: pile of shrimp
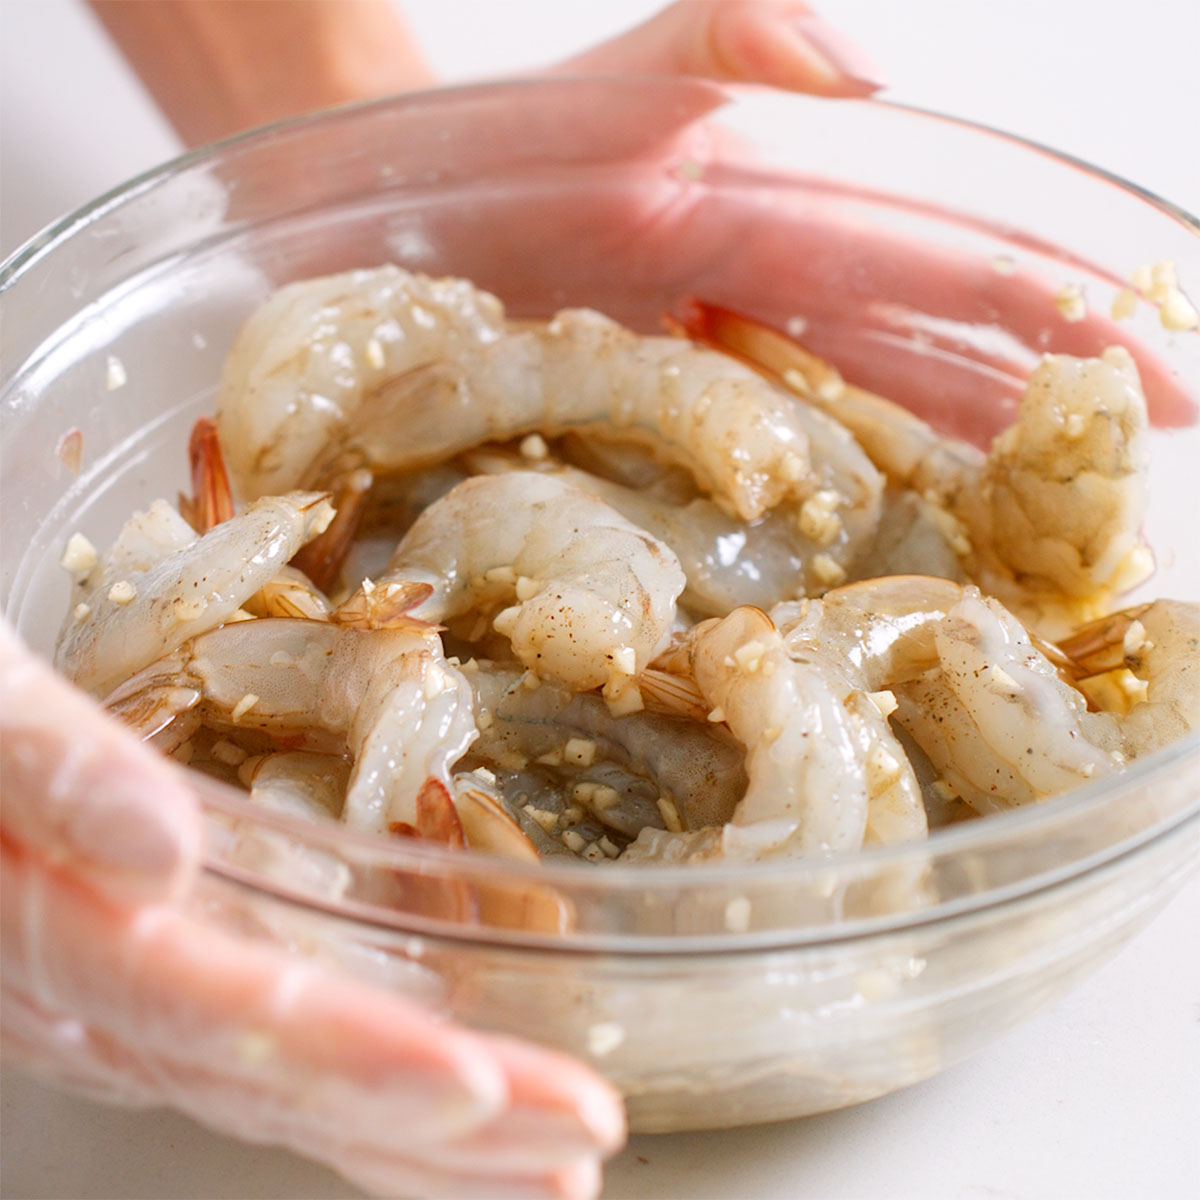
556	589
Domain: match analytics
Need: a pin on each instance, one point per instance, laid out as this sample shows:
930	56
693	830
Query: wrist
215	68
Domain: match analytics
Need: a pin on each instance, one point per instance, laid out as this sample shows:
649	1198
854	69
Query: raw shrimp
302	364
290	594
823	766
1056	518
726	561
739	436
1050	518
387	698
881	631
995	718
159	586
1159	643
595	595
915	536
691	769
300	784
297	782
852	645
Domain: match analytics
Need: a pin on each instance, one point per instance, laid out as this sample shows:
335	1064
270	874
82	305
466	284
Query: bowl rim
43	241
974	836
414	859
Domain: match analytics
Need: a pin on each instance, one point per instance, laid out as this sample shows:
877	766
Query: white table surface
1098	1097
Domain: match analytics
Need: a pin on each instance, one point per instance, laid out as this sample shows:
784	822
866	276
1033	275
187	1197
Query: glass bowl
711	996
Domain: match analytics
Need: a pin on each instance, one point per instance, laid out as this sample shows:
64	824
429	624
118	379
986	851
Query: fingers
104	1070
862	291
64	1051
559	1114
78	789
276	1049
777	42
275	1030
389	1177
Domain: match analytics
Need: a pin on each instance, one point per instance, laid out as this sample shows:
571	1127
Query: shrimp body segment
1051	517
726	561
994	717
1057	514
594	595
302	364
819	752
386	698
737	435
150	594
882	630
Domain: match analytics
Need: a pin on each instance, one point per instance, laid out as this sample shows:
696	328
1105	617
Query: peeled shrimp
387	698
738	436
821	760
1050	518
688	765
300	784
728	561
995	718
1056	518
298	375
302	364
595	595
880	630
160	585
830	686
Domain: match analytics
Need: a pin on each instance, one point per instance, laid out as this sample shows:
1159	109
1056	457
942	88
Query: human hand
779	43
628	195
216	68
114	987
111	987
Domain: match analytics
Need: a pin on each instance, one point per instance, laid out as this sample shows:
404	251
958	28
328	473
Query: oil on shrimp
559	590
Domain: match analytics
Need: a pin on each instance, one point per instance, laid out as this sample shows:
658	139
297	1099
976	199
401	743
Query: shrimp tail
437	820
1102	645
768	351
211	501
672	694
385	606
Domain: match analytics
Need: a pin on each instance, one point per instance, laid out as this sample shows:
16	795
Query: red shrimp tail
211	501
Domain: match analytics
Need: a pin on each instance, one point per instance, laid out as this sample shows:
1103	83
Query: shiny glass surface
714	995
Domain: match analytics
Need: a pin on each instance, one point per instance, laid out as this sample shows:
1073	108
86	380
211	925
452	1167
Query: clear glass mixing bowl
710	996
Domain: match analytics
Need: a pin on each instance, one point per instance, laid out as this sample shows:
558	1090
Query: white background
1098	1098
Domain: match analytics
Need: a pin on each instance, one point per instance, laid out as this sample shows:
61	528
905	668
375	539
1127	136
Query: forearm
218	66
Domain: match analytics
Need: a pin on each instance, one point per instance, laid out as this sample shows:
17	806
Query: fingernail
530	1142
844	56
130	822
580	1181
603	1116
116	832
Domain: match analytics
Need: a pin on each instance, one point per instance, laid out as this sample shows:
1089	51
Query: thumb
78	789
777	42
